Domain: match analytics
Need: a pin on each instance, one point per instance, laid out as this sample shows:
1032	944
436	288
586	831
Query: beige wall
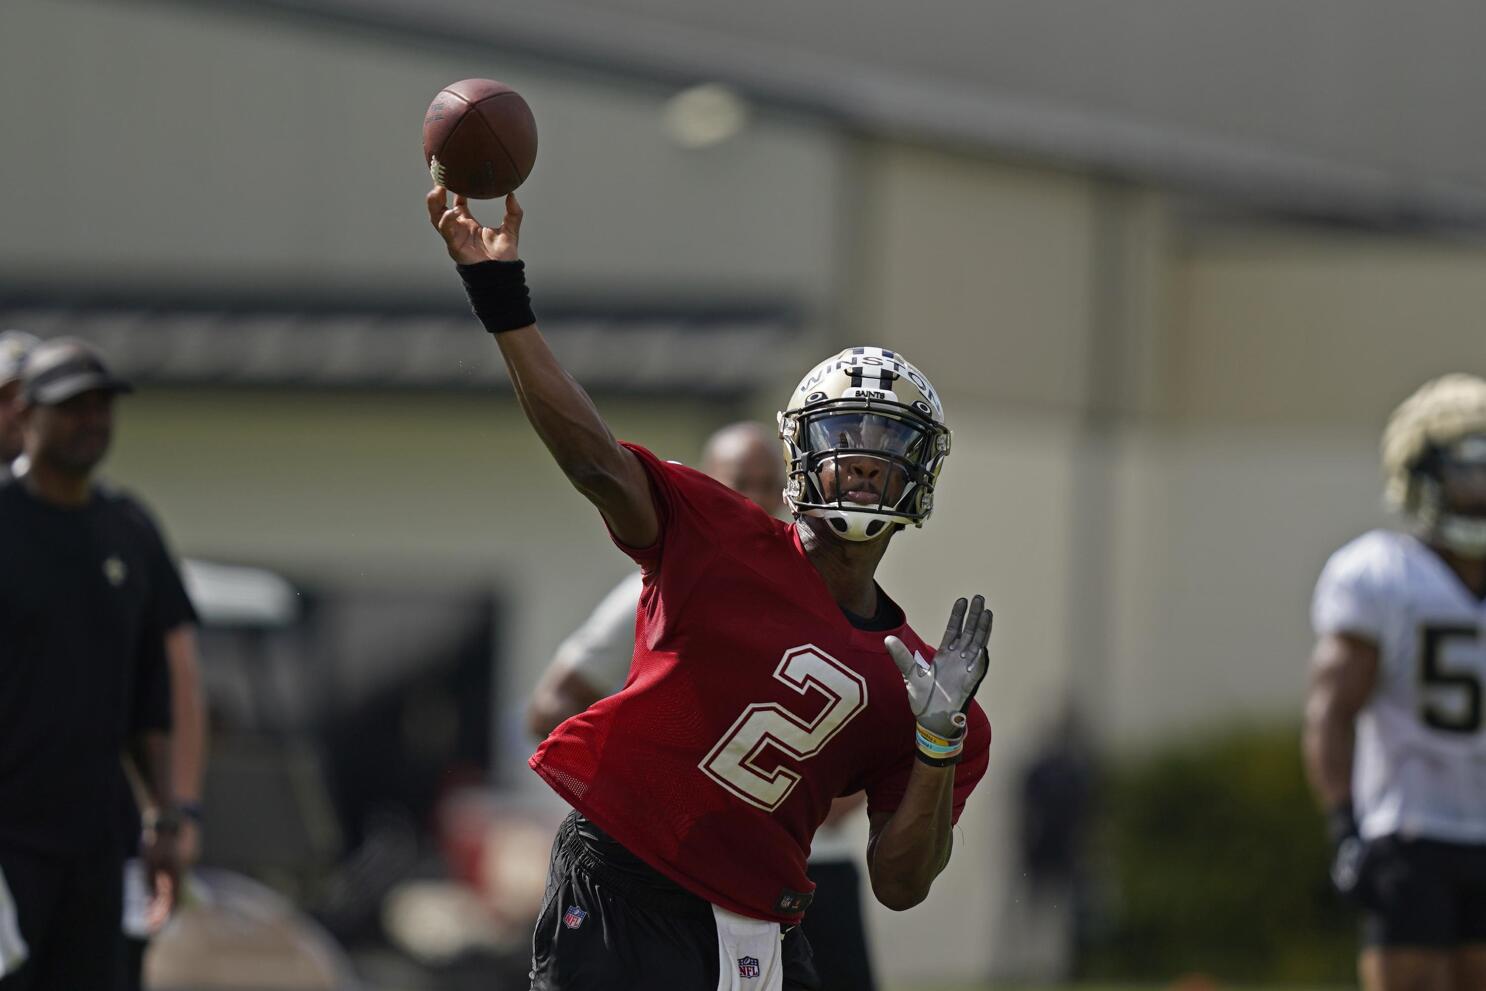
1288	328
1287	353
979	273
168	142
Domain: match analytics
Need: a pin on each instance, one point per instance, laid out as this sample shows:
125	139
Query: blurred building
1169	264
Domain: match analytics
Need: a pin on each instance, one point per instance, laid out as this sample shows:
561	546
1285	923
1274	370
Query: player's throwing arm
563	415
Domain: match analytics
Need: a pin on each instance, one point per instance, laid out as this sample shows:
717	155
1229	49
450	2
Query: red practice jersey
751	703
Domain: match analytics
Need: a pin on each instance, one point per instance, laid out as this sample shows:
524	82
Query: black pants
1423	893
69	912
609	923
834	926
133	959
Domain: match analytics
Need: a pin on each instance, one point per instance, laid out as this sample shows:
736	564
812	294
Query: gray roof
1354	108
153	337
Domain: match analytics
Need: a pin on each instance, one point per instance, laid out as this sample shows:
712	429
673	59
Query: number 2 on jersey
734	762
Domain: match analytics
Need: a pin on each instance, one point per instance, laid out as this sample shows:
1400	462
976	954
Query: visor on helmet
866	432
1461	469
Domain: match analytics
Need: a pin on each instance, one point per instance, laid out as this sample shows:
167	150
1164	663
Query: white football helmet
864	439
1434	459
15	345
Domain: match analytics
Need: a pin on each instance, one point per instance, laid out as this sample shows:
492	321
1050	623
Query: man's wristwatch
164	821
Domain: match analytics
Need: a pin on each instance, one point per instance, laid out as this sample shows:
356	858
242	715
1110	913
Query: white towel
750	953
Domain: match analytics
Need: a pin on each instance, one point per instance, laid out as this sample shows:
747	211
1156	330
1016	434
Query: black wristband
190	810
1341	822
498	295
937	761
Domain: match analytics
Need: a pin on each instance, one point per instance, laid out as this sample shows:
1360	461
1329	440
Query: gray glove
939	693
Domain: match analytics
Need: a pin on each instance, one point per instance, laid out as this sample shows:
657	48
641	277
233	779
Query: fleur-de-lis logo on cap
115	570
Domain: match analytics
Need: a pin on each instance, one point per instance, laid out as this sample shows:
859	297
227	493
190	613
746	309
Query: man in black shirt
87	592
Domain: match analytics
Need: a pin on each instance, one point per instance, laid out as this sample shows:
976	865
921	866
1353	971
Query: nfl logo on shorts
573	917
748	966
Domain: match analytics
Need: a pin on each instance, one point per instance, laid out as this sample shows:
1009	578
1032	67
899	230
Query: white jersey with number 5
1420	764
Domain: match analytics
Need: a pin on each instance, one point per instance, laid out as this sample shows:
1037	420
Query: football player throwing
771	673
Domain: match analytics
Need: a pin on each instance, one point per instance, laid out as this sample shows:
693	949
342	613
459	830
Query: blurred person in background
1058	787
697	787
88	594
594	661
1394	743
188	716
14	346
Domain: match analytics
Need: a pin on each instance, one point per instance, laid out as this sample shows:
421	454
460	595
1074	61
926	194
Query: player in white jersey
1395	742
15	345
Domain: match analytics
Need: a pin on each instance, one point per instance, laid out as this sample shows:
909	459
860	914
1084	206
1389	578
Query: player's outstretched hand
941	692
469	241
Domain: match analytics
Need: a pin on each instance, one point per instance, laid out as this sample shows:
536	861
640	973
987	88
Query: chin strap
857	524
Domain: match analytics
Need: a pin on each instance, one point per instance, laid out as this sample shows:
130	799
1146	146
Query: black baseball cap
59	369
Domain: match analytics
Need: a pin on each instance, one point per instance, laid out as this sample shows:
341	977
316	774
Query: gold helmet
1434	460
15	345
864	438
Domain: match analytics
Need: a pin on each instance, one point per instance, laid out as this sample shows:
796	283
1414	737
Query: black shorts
68	910
609	923
1423	893
834	927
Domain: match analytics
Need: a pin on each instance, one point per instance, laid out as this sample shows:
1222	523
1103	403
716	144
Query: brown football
479	138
